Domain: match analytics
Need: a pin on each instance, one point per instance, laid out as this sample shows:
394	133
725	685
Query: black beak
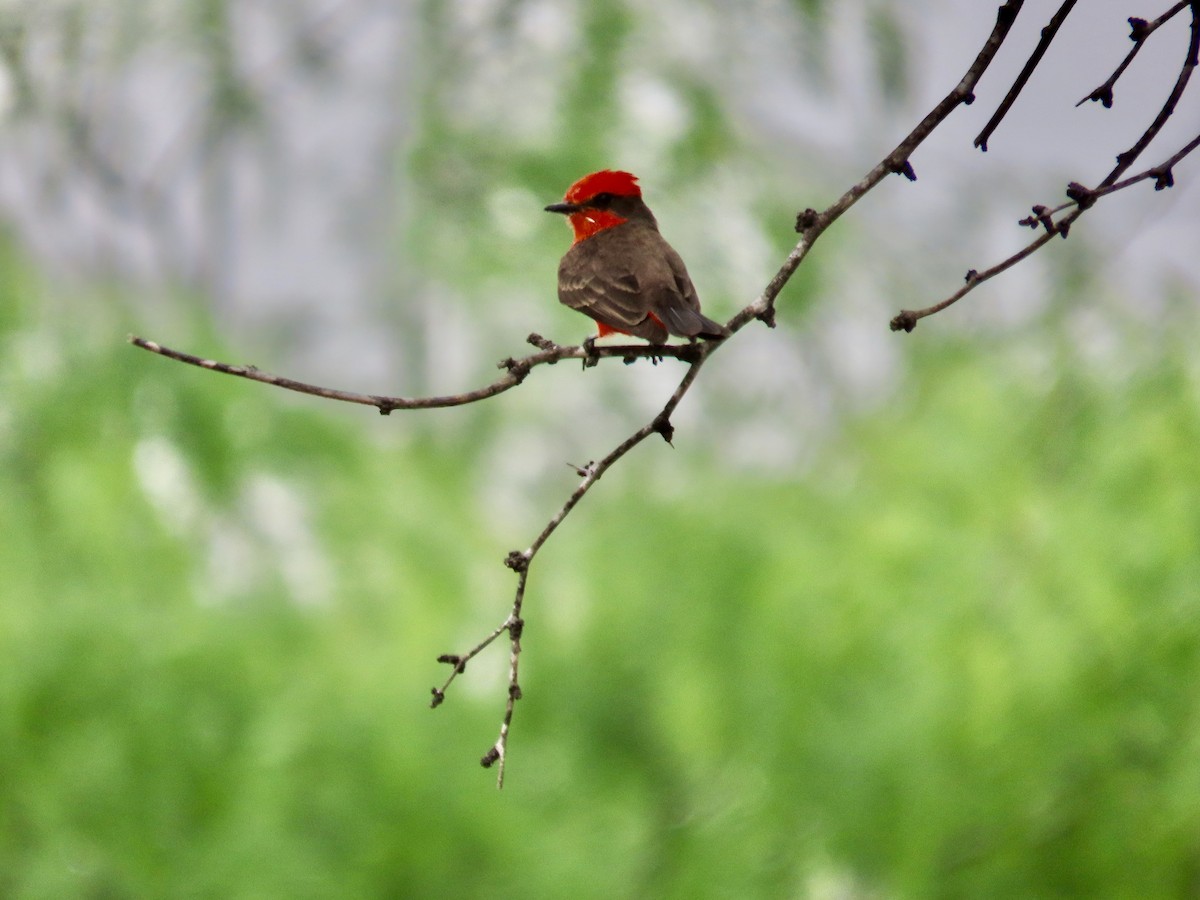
564	208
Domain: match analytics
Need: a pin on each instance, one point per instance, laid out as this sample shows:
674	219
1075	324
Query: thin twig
516	371
460	663
811	224
1083	198
1129	157
1043	44
1139	31
1162	174
520	561
499	750
906	320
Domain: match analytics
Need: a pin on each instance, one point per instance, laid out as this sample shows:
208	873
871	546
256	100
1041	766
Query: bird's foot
590	356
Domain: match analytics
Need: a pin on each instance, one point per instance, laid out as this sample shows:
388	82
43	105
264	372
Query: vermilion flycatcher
620	270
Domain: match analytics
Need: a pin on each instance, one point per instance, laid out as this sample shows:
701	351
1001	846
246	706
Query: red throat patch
594	220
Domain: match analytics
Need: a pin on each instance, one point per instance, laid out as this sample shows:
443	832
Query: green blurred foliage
958	656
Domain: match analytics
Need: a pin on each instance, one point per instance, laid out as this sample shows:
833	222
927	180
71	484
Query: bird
620	271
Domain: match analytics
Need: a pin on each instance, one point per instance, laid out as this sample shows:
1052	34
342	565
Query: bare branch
516	371
1139	31
459	663
519	561
1043	44
1082	198
906	320
1163	177
1129	157
812	224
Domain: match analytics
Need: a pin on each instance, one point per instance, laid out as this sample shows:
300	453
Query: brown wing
677	304
600	277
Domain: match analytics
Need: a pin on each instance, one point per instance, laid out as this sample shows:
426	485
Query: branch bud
663	426
1163	177
1104	94
1083	196
902	167
806	220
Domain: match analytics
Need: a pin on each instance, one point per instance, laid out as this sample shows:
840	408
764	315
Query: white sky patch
690	32
36	355
474	13
7	94
655	109
281	516
546	26
166	480
764	445
234	564
271	532
747	252
508	209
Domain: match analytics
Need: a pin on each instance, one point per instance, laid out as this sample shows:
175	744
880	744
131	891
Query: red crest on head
622	184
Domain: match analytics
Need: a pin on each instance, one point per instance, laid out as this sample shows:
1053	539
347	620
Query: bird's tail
711	330
691	323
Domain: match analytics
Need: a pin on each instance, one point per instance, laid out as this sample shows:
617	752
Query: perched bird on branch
620	271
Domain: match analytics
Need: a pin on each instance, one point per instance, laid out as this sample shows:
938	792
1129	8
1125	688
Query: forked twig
1043	44
1139	31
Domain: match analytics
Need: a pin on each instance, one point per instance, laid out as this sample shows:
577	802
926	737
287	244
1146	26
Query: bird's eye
602	199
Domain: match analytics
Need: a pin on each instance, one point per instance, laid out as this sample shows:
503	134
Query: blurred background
898	616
